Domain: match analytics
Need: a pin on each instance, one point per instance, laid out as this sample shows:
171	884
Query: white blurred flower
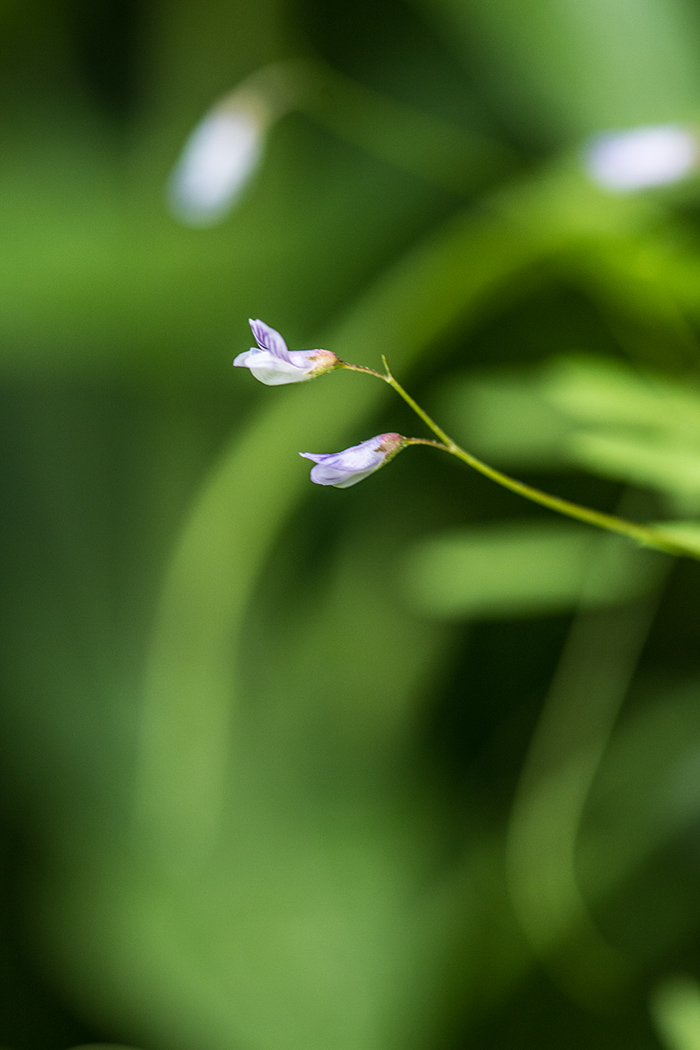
639	158
225	149
219	159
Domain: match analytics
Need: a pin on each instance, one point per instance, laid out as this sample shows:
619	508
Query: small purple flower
274	364
346	468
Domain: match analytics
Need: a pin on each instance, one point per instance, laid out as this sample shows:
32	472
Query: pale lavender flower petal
269	339
346	468
639	158
269	369
275	365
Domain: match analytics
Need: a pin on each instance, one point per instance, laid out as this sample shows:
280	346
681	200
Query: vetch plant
274	364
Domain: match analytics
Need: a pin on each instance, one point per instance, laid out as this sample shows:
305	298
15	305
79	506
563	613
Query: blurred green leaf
602	415
641	428
610	392
672	470
563	69
518	569
675	1007
505	417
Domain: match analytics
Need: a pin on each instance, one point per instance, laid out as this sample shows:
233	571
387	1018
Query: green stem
648	537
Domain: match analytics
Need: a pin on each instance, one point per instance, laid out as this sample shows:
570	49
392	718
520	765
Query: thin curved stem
648	537
426	441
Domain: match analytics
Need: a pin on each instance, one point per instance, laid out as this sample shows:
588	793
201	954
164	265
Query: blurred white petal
224	151
642	157
219	159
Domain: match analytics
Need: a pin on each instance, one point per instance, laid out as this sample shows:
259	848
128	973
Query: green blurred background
412	766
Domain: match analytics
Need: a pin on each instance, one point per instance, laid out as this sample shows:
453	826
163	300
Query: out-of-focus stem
437	150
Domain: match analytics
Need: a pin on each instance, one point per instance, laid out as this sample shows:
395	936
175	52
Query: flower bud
346	468
225	149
